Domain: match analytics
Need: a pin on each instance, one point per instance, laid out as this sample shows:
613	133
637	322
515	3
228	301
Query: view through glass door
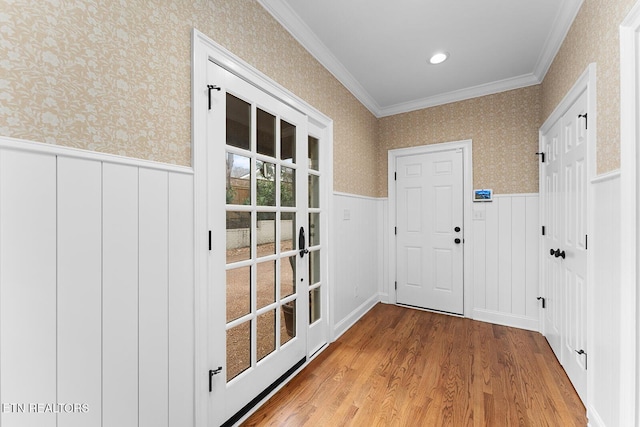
265	287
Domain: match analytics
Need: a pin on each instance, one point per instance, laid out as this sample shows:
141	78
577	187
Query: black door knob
559	254
457	229
457	241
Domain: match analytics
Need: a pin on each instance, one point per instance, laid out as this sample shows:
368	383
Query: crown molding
559	30
300	31
461	95
284	15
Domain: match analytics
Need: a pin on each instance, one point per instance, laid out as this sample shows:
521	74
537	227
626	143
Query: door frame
467	179
630	221
204	49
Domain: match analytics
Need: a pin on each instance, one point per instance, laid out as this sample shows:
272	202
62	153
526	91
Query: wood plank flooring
404	367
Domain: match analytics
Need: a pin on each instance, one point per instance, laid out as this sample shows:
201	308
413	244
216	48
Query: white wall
356	259
505	260
96	288
603	373
504	284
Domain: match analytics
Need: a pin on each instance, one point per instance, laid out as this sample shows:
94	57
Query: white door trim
466	146
203	50
629	221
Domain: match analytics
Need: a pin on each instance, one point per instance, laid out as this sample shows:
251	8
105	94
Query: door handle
302	244
457	241
559	254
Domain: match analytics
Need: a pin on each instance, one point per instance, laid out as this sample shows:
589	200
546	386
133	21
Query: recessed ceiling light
439	58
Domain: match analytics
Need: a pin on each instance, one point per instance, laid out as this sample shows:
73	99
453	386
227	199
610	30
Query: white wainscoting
603	374
96	288
358	270
505	260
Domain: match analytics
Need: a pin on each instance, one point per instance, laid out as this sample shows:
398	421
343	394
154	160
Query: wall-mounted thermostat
483	195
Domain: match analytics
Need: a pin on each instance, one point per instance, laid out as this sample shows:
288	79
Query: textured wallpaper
594	37
503	127
114	77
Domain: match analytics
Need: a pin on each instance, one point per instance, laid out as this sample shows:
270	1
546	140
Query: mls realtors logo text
44	408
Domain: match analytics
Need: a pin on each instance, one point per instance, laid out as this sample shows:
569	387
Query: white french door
430	230
263	184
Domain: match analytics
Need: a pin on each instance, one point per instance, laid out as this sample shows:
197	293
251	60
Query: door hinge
586	242
212	87
213	372
395	176
585	357
209	239
586	125
543	230
395	230
541	154
396	286
544	302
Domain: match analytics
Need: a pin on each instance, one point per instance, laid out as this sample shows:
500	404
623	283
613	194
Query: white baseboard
593	417
383	297
346	323
506	319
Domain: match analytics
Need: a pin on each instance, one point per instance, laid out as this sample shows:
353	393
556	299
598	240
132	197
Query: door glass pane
238	180
266	133
238	236
266	233
287	276
314	305
266	334
314	229
238	122
287	322
314	191
266	183
314	267
238	350
314	149
287	231
238	292
287	142
288	187
266	283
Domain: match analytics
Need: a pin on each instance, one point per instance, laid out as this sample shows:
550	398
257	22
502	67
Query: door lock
457	229
457	240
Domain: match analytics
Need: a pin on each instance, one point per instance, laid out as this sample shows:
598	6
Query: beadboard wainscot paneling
96	289
603	339
505	260
356	263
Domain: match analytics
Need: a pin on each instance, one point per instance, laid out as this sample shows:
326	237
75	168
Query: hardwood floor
404	367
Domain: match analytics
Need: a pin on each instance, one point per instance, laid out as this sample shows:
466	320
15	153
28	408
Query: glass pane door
264	285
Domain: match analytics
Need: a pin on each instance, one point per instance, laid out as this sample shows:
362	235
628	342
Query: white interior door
258	214
565	242
552	219
430	235
574	244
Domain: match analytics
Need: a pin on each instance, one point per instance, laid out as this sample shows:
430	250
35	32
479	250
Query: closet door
564	187
574	244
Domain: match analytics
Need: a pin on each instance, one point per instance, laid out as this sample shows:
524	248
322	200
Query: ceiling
380	49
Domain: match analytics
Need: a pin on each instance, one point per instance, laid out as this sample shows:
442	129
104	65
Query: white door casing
429	217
